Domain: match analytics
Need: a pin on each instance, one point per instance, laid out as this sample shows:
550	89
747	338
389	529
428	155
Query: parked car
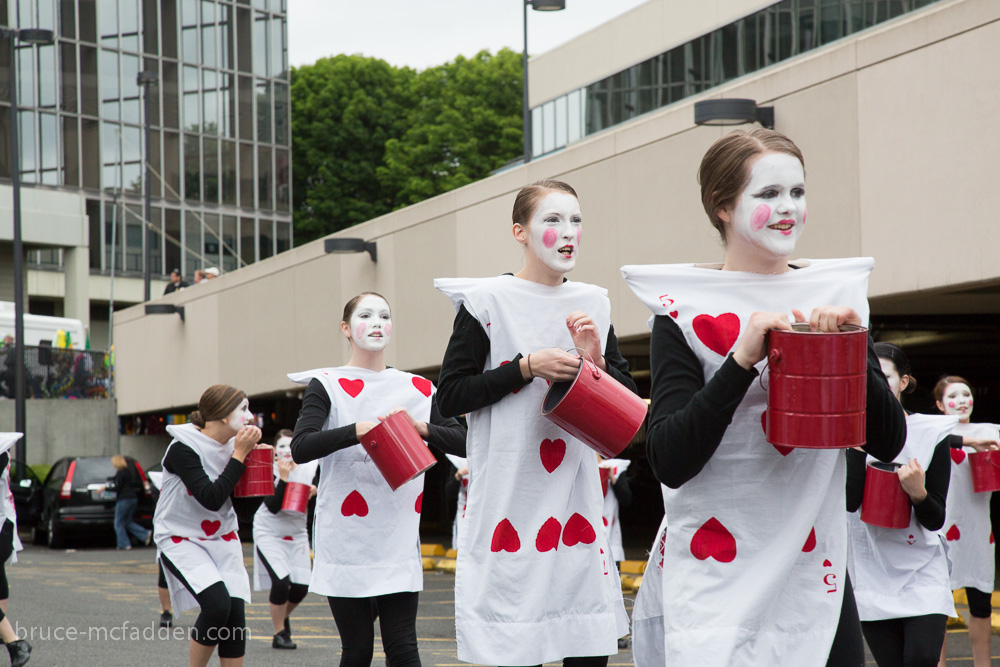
74	499
27	491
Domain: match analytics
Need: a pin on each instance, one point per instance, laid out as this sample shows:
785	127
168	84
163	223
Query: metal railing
52	372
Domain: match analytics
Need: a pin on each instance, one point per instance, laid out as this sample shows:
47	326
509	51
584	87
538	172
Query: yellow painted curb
956	623
446	565
429	564
431	550
960	596
451	553
633	566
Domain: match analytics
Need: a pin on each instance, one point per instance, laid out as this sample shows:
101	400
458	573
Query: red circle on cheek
359	331
549	238
579	235
388	329
760	216
951	404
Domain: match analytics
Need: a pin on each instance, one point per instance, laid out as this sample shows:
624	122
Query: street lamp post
25	36
147	80
541	6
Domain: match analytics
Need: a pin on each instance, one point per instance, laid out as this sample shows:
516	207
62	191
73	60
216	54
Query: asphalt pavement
94	605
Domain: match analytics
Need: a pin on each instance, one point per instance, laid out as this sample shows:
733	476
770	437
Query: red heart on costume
230	536
505	538
957	455
782	449
354	504
210	527
578	530
810	542
423	385
673	314
713	540
177	540
419	504
953	533
552	453
827	563
662	549
717	333
352	387
504	363
991	537
289	538
548	535
605	520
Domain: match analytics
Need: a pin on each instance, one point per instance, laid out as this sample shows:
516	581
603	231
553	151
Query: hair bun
196	419
911	386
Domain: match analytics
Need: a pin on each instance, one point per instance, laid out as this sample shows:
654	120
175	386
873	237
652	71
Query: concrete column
76	271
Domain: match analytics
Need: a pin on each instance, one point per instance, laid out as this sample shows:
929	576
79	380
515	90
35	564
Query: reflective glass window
260	46
47	88
48	147
107	22
192	167
230	243
67	63
26	82
130	24
562	131
282	236
279	51
227	99
246	103
263	111
168	26
247	178
192	244
89	95
211	170
574	102
169	88
210	103
282	114
171	165
133	238
90	153
228	169
88	20
209	57
264	181
244	39
150	28
211	234
283	186
248	240
536	131
71	151
28	140
172	238
67	18
265	233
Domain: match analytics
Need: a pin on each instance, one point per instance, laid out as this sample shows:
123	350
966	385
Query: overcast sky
423	33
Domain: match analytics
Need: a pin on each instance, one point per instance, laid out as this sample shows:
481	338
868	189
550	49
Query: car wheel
56	537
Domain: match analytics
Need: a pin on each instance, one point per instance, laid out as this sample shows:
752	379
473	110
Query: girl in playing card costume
968	532
281	543
900	576
367	542
195	525
10	544
535	582
755	544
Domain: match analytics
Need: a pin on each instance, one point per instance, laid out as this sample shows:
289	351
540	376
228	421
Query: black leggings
980	603
355	619
282	589
222	619
6	549
848	648
162	581
906	642
594	661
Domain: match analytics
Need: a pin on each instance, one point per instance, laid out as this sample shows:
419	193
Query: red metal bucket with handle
985	468
296	497
595	408
817	387
398	450
258	478
885	503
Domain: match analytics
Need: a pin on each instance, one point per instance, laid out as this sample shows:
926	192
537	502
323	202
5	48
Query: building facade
220	142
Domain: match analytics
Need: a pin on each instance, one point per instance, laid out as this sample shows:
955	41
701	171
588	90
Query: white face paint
371	323
240	417
770	213
957	400
892	375
555	231
283	449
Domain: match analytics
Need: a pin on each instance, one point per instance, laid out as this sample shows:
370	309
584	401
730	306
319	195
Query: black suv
73	500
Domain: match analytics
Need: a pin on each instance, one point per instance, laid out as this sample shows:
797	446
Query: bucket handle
597	371
774	356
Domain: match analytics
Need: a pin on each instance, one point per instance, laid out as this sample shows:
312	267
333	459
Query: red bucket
398	450
296	497
817	387
985	467
595	408
885	503
258	478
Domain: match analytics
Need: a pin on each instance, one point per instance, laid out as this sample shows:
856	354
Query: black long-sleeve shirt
689	416
464	386
931	511
182	461
311	442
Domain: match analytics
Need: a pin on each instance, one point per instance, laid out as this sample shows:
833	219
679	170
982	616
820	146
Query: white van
40	327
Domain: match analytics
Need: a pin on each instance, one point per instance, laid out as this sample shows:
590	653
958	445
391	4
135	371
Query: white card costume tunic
899	573
7	508
609	515
647	612
366	536
204	545
535	582
282	537
755	557
968	531
463	495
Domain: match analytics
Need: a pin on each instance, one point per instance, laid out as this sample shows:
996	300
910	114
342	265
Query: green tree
344	110
466	123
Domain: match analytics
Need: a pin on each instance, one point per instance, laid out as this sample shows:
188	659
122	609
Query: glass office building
774	34
220	144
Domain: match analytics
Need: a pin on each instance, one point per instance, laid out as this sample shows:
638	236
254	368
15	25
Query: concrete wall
148	450
60	427
48	217
900	149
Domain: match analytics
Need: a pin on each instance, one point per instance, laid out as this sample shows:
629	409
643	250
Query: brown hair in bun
217	402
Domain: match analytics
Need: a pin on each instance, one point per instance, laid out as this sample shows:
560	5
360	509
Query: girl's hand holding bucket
285	466
752	347
550	364
246	439
829	319
419	425
360	428
911	478
586	337
981	444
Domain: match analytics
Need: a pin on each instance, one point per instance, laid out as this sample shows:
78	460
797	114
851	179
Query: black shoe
623	642
281	640
20	652
288	628
166	620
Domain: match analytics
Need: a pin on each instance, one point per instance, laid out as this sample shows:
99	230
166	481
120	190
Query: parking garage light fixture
732	112
349	246
164	309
